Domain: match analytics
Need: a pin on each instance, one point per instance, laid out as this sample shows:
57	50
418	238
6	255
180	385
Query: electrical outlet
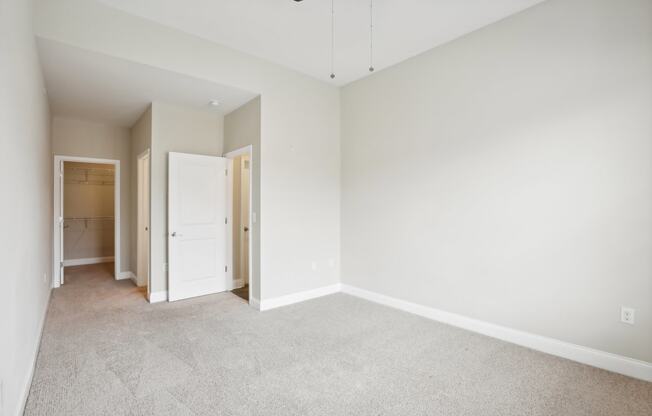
331	262
627	315
314	266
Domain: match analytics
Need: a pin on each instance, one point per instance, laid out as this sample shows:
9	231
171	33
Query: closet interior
88	211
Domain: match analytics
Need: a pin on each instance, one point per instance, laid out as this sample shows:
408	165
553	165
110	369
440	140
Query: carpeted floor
106	351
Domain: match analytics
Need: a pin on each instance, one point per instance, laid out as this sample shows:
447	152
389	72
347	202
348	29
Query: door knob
174	234
246	229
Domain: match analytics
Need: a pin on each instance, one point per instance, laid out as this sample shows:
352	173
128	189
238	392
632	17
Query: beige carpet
105	351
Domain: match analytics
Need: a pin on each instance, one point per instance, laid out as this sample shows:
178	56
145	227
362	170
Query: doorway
242	216
86	214
143	222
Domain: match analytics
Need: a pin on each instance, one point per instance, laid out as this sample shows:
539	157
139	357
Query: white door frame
57	254
249	151
140	193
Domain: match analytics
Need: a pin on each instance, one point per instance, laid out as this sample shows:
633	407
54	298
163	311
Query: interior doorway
86	214
143	222
242	217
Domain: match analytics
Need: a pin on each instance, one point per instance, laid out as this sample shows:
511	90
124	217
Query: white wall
26	208
174	129
299	133
82	138
507	176
242	128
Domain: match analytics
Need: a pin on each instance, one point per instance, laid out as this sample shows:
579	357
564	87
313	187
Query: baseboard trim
126	275
254	303
30	376
155	297
267	304
596	358
90	260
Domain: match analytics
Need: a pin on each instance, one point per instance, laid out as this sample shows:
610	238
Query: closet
88	213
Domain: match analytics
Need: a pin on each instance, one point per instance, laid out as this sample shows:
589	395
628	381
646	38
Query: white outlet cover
627	315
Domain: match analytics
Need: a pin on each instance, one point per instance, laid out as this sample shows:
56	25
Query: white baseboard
30	377
267	304
254	303
155	297
90	260
596	358
126	275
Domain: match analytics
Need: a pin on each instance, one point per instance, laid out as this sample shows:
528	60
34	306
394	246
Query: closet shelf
80	182
88	218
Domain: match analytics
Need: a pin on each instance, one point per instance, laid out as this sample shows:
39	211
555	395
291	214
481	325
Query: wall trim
267	304
596	358
155	297
254	303
126	275
89	260
30	377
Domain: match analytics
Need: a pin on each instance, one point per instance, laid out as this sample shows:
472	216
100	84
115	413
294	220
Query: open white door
197	225
142	251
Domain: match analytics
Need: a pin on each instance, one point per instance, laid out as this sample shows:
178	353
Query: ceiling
96	87
297	35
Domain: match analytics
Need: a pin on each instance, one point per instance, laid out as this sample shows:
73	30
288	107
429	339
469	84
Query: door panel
197	195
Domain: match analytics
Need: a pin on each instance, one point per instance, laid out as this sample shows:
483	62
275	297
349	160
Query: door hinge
226	220
226	269
60	264
226	172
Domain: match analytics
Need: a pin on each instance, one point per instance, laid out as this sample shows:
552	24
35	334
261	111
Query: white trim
249	150
601	359
267	304
57	249
254	303
126	275
89	260
155	297
28	385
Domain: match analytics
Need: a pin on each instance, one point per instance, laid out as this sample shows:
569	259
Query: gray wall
507	175
242	128
174	129
26	208
81	138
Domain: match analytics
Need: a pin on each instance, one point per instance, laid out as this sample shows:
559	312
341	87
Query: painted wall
89	139
88	205
300	214
26	182
507	175
141	140
242	128
174	129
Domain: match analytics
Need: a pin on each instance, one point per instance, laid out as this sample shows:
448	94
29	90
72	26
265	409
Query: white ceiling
297	35
92	86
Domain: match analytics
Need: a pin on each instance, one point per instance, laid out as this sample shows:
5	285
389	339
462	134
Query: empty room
326	207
